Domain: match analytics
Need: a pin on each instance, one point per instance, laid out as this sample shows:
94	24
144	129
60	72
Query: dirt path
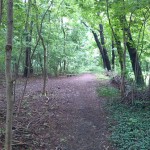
83	115
71	117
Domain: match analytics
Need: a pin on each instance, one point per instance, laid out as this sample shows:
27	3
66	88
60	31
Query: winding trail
83	121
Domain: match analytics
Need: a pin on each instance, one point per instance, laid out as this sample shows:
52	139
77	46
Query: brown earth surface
70	117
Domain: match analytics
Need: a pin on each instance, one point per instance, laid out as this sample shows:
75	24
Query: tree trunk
134	59
39	30
45	66
64	47
116	38
40	62
64	65
123	75
99	47
102	49
107	62
28	65
9	82
120	52
113	55
135	64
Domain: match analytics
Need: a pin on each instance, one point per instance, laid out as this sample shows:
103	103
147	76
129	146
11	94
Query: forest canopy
79	35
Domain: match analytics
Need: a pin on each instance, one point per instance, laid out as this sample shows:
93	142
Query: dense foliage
69	42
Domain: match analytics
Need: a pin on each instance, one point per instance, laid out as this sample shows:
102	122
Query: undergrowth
108	92
130	125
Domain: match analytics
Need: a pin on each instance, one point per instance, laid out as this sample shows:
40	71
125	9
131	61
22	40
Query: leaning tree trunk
108	66
99	47
116	38
134	59
9	82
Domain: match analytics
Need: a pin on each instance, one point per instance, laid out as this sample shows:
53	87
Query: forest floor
70	117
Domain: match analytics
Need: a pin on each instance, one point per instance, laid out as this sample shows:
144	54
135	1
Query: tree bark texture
116	38
107	62
64	47
99	47
134	60
9	83
28	65
45	65
39	30
120	51
113	55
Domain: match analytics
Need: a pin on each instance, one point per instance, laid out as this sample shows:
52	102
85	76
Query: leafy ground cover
130	125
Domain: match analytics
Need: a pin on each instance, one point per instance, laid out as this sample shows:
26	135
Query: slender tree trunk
30	41
45	61
19	58
107	62
9	82
99	47
124	53
28	65
45	66
35	47
64	47
124	58
116	38
39	30
27	60
120	51
64	65
113	54
40	62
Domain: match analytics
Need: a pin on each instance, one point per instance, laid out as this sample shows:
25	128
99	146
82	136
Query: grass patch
130	125
108	92
102	76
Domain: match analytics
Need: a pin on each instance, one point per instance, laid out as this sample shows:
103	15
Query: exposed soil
69	117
